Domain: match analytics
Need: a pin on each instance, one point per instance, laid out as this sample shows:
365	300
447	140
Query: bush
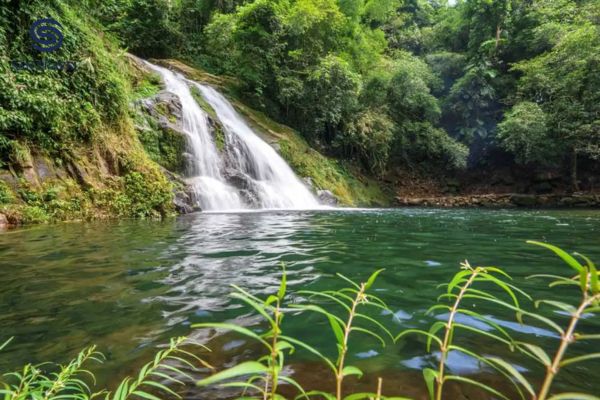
148	194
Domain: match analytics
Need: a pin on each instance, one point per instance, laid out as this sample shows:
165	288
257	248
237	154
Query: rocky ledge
576	200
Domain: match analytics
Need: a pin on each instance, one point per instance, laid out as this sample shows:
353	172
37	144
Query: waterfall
248	173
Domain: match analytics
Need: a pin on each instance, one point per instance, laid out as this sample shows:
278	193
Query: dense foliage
73	120
399	82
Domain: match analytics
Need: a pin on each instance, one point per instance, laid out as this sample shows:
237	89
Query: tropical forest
299	199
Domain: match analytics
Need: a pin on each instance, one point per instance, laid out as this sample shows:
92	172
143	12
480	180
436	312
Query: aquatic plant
34	382
461	287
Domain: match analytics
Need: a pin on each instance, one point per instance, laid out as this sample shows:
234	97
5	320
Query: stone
326	197
182	203
3	222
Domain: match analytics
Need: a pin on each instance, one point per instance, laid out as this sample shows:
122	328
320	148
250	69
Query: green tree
566	84
524	132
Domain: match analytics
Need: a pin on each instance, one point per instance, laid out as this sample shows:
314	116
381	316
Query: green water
129	286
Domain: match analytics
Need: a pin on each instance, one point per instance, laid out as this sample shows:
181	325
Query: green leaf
585	357
258	307
573	263
325	295
350	281
420	332
502	285
377	323
557	304
326	396
370	333
475	383
311	350
337	329
145	395
6	343
430	377
245	368
360	396
283	285
350	370
537	352
372	278
458	278
514	373
235	328
433	330
574	396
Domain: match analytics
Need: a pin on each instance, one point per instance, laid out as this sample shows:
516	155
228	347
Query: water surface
129	286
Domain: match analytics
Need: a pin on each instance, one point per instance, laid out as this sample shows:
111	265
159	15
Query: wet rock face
327	198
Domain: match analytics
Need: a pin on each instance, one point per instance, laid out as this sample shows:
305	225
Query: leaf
420	332
566	257
370	333
283	285
558	304
430	377
350	370
433	330
458	278
372	278
311	350
579	359
326	396
502	285
475	383
6	343
295	384
327	296
337	329
145	395
350	281
537	352
514	373
258	307
235	328
245	368
377	323
574	396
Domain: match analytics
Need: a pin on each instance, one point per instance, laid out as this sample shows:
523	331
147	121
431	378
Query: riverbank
505	200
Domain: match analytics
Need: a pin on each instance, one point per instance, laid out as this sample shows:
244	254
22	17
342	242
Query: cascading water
250	175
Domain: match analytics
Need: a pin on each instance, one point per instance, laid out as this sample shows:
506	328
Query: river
129	286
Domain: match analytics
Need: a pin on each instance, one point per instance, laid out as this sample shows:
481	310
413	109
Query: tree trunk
574	183
498	33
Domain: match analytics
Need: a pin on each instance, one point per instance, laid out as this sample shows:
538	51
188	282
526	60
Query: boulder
327	198
4	224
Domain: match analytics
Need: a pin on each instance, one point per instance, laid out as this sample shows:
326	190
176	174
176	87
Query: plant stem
340	375
274	375
379	384
566	340
448	333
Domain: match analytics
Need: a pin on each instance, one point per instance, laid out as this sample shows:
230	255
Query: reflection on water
129	286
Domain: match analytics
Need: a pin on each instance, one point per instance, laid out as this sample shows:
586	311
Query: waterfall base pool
129	286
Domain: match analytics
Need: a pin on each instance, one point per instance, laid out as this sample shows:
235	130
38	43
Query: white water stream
248	173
